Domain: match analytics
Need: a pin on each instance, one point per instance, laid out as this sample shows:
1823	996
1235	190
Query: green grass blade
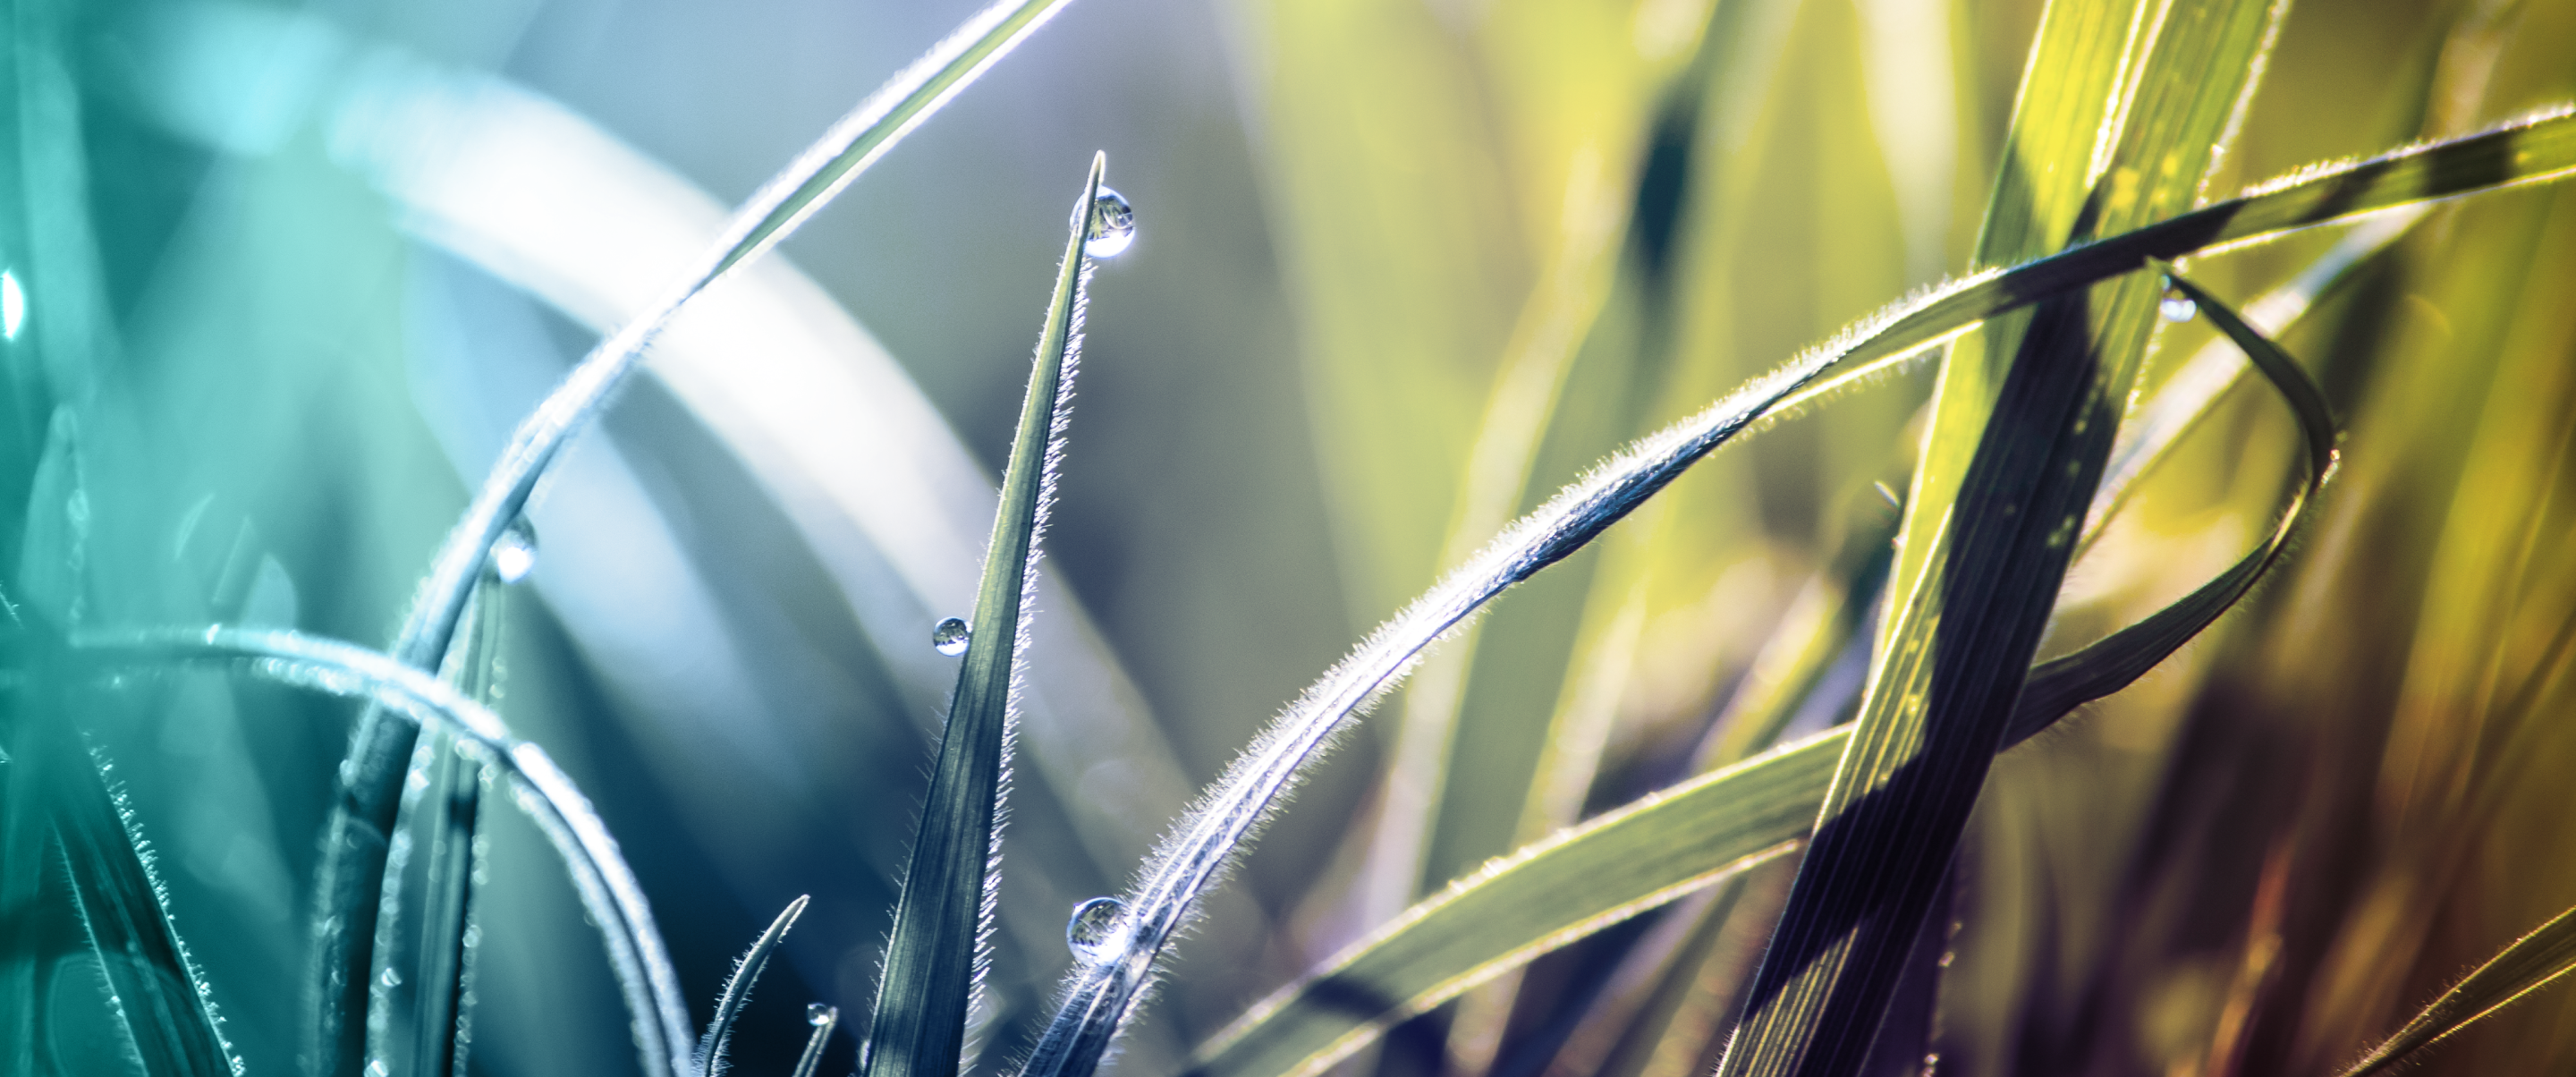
1985	567
2112	663
159	993
737	988
607	887
364	814
918	1028
1194	856
2534	961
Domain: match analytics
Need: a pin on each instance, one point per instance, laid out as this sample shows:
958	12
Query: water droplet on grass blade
514	554
13	305
2177	307
819	1015
1113	226
950	637
1092	934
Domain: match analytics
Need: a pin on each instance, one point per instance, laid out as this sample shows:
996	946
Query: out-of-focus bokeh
1404	267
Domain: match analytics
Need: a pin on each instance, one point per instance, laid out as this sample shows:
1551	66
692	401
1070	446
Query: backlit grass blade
607	887
737	988
2534	961
159	992
935	956
363	816
1098	996
1983	568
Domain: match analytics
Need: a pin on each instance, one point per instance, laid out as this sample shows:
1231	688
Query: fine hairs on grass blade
936	955
609	893
1099	995
824	1019
737	988
362	817
2534	961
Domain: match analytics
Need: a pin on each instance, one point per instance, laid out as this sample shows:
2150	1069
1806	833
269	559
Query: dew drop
949	637
391	978
1092	934
2178	308
13	305
1113	227
819	1015
514	554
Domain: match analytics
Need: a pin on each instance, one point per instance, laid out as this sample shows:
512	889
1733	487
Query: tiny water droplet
1948	956
819	1015
514	554
1092	934
1931	1062
13	305
2178	308
950	637
1114	226
391	978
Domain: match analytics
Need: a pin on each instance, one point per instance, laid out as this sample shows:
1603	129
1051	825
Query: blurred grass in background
1405	267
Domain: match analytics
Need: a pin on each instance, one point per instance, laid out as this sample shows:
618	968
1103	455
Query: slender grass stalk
364	814
737	988
935	959
824	1019
609	892
2534	961
1099	995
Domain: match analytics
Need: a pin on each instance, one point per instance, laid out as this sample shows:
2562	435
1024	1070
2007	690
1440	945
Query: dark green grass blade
2534	961
919	1025
363	816
1958	652
737	988
1098	996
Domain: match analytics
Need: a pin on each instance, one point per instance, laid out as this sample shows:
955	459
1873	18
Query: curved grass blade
608	890
737	988
1098	996
934	958
1676	841
2534	961
363	815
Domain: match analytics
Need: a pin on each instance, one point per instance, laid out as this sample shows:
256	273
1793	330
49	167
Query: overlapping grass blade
363	816
1989	564
607	887
934	959
2534	961
1098	996
737	988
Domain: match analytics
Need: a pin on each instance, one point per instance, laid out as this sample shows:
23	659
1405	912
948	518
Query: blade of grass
737	988
2534	961
607	887
1956	654
363	815
1636	858
1098	996
935	957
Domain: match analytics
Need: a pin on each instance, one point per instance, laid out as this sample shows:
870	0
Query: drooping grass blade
933	959
737	988
1099	996
363	816
2534	961
607	887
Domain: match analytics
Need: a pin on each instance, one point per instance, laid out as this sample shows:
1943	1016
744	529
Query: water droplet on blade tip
2178	308
819	1015
1092	934
950	637
514	554
1113	225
